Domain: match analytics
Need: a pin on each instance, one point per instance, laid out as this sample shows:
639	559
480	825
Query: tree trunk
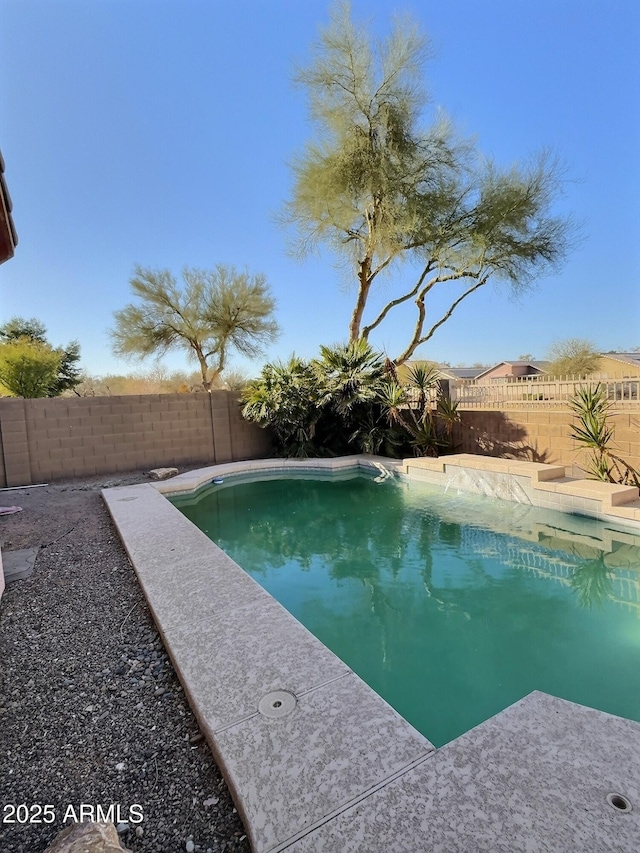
204	369
364	279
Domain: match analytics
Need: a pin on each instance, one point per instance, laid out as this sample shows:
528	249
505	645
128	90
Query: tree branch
394	302
417	339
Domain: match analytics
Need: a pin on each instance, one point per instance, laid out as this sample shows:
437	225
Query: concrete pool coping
315	760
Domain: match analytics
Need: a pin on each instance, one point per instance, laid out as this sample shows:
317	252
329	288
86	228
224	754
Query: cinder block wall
45	440
541	435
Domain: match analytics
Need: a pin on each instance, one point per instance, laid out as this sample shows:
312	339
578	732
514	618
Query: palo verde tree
30	366
573	357
380	189
214	312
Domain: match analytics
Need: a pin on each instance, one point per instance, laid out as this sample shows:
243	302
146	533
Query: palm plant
349	378
285	398
349	375
372	434
348	400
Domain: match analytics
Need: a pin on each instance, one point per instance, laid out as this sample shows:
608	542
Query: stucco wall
45	440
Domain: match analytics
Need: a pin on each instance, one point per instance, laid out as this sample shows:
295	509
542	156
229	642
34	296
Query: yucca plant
413	416
594	433
448	415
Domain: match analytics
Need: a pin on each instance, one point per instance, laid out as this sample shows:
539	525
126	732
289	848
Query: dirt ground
91	711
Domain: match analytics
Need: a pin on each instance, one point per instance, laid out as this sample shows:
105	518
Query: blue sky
159	132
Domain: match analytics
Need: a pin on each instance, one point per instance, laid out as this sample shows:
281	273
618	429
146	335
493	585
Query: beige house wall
50	439
539	435
616	369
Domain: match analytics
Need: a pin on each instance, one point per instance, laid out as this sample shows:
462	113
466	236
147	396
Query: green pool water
450	606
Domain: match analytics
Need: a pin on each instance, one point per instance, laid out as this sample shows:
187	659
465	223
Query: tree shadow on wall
494	434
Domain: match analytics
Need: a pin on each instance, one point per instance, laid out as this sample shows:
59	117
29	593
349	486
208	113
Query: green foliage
69	375
346	401
377	187
449	415
594	433
19	327
30	366
349	375
409	405
214	312
286	399
573	357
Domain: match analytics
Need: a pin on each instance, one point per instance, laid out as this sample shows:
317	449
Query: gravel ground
91	711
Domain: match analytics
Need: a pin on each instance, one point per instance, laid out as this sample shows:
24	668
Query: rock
189	846
122	827
195	739
162	473
87	838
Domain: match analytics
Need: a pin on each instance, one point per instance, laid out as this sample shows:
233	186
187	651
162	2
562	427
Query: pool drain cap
277	704
619	802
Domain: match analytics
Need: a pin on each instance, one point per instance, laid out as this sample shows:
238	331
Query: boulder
162	473
87	838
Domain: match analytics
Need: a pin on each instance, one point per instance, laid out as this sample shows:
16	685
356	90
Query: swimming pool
450	606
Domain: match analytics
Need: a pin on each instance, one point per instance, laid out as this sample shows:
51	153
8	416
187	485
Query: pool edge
368	773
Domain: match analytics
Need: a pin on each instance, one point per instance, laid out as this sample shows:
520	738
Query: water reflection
592	582
451	607
361	538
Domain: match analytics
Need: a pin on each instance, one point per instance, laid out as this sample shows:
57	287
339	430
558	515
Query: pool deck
315	759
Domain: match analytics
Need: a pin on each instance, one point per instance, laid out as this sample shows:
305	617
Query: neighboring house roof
632	358
458	372
536	367
8	235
